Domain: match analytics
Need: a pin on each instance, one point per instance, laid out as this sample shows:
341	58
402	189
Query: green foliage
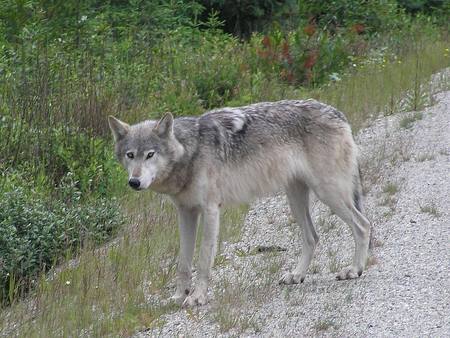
75	20
56	151
242	17
426	6
358	15
36	231
303	58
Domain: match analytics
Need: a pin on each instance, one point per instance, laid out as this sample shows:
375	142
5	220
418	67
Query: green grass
390	188
106	290
431	209
324	325
228	312
120	288
425	157
375	88
408	121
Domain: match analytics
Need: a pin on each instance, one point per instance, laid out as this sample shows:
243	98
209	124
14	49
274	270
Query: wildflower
68	282
354	65
399	61
335	77
83	18
447	50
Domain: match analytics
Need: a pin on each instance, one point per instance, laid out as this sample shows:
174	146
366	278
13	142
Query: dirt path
405	291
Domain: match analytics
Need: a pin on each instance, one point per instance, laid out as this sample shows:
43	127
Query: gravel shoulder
406	289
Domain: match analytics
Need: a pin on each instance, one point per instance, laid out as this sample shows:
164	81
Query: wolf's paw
349	272
179	297
291	278
196	299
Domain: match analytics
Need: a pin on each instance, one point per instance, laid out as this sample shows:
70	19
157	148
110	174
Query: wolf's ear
164	127
119	129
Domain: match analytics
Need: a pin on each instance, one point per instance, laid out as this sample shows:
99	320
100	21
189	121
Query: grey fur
233	155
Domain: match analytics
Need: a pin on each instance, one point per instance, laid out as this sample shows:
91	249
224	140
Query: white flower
83	18
68	282
335	77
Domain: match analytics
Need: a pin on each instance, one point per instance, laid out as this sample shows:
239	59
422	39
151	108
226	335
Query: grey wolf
234	155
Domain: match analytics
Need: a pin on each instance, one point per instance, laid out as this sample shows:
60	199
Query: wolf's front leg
188	219
208	249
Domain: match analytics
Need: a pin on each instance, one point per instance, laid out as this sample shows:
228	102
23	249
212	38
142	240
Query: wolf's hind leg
361	233
188	219
298	196
342	204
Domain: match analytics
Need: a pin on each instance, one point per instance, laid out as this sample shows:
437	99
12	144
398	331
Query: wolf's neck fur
180	175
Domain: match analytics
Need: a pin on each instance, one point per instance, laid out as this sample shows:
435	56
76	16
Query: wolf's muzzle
134	183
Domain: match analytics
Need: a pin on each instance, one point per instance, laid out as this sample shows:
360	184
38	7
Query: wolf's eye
150	154
130	155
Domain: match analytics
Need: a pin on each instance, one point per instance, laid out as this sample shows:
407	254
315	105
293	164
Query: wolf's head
148	150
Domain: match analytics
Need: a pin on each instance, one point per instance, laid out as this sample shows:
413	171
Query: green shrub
36	231
243	17
54	151
358	15
303	58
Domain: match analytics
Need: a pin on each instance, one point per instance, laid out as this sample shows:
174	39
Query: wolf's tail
358	199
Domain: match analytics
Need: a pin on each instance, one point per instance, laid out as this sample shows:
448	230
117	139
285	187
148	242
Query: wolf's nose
134	183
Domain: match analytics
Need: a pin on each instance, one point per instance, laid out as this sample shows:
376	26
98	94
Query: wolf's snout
134	183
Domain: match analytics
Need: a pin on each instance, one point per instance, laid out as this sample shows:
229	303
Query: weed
243	253
231	223
314	268
270	219
388	214
221	260
371	260
431	209
390	189
377	243
230	298
349	297
329	224
291	220
334	264
425	157
324	325
408	121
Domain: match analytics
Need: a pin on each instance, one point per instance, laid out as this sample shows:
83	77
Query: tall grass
120	288
388	87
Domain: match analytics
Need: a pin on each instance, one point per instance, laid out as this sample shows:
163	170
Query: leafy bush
36	231
54	151
304	57
242	17
358	15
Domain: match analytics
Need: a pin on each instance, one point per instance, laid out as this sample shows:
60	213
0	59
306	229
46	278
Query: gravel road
406	289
